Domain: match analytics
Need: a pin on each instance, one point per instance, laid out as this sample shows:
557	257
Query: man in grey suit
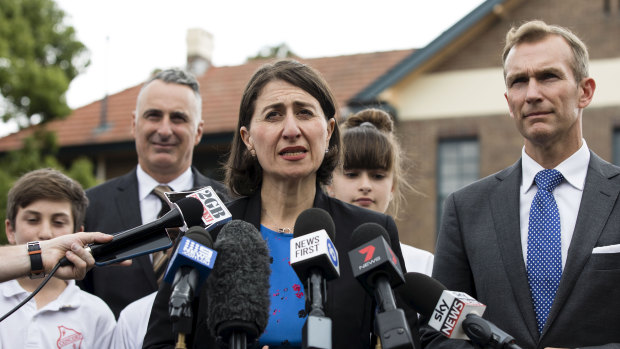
166	126
491	248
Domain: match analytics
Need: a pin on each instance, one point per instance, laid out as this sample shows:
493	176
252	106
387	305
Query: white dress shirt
567	194
150	204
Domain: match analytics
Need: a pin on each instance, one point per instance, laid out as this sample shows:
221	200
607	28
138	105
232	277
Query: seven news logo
369	256
369	251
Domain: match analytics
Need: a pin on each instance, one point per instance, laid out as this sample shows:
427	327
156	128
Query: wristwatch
36	262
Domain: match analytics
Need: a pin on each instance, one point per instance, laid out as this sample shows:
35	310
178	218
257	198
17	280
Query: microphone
189	266
454	314
215	212
315	260
377	268
238	287
186	210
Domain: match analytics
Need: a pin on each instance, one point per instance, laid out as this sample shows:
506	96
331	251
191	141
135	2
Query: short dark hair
47	184
243	172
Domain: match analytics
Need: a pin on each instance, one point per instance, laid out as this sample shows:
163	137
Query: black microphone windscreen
238	287
422	292
200	235
314	219
192	211
367	232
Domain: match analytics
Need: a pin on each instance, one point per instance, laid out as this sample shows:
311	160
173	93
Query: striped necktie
160	258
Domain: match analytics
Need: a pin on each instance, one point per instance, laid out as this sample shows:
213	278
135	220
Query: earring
253	152
327	151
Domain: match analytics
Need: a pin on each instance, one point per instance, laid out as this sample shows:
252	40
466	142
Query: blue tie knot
548	179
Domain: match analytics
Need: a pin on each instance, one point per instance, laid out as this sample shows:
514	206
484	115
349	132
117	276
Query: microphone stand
317	331
390	322
237	333
238	340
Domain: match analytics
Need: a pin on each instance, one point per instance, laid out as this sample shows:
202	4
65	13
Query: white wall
479	92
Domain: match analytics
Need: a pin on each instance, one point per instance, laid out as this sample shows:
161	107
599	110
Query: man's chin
163	161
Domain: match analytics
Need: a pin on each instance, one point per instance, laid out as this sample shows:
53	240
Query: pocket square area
607	249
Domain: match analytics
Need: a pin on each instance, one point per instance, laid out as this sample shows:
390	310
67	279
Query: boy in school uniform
44	204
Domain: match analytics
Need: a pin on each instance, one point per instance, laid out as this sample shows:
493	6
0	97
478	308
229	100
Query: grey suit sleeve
451	268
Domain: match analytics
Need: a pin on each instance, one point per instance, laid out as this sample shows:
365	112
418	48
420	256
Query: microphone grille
200	235
192	210
422	292
367	232
238	287
314	219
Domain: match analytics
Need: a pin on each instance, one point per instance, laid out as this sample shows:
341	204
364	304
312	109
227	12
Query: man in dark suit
551	287
166	125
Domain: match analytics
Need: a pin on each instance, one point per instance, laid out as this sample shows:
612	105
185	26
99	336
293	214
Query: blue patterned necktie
544	251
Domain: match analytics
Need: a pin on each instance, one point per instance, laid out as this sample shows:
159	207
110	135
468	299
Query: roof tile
221	89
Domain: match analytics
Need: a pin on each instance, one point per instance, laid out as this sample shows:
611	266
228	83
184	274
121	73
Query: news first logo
331	250
313	244
214	209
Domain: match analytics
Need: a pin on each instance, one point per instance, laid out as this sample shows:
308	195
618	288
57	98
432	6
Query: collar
66	299
574	168
146	183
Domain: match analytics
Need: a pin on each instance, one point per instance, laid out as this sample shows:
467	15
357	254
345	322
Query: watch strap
36	262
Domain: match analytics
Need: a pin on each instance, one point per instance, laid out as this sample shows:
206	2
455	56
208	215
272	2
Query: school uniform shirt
131	326
75	319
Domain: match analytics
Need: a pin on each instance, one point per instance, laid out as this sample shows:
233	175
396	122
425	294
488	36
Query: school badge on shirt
69	338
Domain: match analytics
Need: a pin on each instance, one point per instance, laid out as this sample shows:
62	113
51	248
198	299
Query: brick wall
500	142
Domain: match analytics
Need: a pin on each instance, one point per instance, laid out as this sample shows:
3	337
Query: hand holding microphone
197	208
187	210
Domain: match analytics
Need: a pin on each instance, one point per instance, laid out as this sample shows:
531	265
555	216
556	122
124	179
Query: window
458	165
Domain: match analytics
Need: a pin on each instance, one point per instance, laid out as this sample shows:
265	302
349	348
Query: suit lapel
127	201
128	211
597	201
199	180
505	211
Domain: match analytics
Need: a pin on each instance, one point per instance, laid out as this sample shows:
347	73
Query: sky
128	39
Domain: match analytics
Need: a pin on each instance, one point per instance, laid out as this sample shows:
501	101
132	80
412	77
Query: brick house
452	116
447	100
